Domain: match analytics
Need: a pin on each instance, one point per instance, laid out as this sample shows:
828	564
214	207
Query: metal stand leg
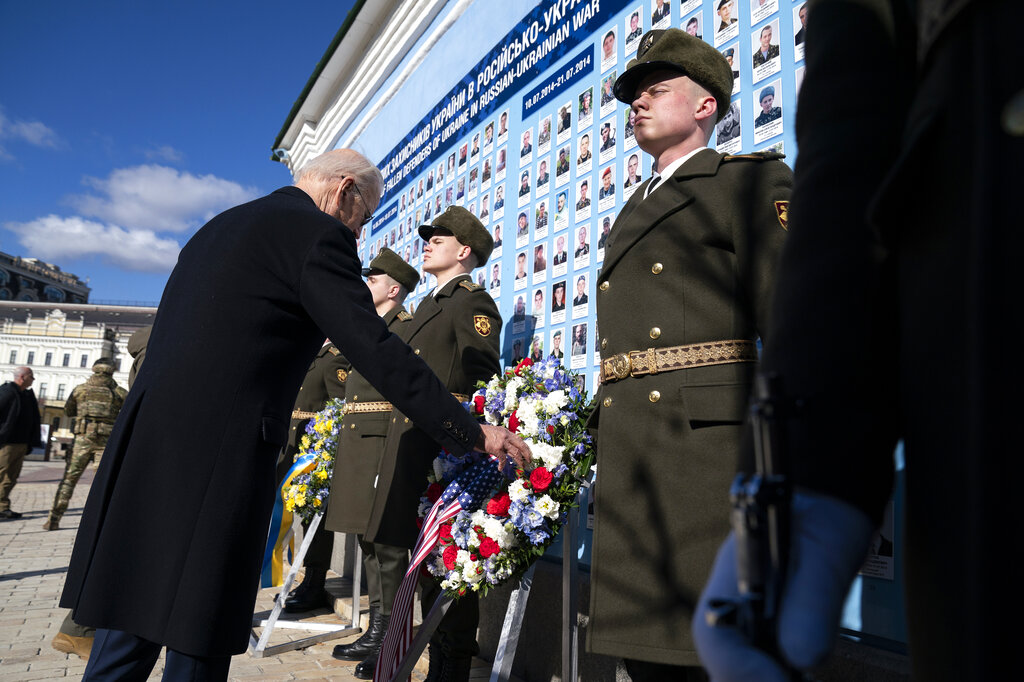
328	631
511	627
570	607
419	643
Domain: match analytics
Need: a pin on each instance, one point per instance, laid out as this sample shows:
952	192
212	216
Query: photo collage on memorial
549	169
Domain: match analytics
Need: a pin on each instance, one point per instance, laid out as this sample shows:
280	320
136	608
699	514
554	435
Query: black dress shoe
364	670
368	644
10	514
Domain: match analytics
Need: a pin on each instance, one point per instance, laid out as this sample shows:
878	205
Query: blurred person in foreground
897	286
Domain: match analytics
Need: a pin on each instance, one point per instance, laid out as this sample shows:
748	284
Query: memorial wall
507	109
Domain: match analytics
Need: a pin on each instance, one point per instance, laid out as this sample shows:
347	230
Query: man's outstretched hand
503	444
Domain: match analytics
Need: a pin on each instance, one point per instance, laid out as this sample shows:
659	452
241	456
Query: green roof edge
321	65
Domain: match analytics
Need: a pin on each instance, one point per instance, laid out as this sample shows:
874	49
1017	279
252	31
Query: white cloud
158	198
33	132
54	238
164	153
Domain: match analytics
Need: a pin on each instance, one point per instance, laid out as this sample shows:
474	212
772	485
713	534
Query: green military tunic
694	262
325	379
360	446
456	332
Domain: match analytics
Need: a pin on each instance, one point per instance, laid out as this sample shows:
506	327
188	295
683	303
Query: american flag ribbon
469	491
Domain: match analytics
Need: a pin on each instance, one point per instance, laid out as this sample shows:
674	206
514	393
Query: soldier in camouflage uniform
95	404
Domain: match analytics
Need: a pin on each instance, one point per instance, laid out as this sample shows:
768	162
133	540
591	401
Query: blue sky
125	125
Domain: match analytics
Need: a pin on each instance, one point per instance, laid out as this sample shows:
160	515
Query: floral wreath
484	547
307	495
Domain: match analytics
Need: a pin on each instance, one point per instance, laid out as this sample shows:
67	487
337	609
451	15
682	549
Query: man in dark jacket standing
170	545
900	276
700	239
19	433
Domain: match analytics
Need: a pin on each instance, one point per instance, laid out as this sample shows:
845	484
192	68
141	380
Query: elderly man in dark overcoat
169	548
681	300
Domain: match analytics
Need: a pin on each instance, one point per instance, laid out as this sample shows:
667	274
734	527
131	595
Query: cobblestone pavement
33	563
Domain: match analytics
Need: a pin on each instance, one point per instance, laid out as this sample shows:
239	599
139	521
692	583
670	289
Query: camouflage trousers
83	451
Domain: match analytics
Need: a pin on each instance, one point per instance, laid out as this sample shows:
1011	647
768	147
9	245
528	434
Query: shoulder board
404	315
754	156
470	286
333	350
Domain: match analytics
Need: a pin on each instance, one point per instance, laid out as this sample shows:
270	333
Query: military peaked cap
677	50
392	265
465	227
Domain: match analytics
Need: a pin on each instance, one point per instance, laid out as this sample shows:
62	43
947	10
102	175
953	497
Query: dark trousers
122	657
385	567
456	634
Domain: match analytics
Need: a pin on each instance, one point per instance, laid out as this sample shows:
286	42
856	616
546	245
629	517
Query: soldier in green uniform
325	379
682	298
456	330
95	405
360	446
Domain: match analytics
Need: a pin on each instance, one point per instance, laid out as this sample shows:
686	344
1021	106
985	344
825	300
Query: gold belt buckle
620	366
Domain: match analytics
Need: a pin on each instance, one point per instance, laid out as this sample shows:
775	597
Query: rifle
761	526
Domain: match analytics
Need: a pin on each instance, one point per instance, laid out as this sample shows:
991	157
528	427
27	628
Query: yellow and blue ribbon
272	574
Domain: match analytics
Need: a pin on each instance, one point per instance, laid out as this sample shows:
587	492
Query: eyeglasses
369	215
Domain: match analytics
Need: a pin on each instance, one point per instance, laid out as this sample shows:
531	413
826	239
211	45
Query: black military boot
368	644
310	594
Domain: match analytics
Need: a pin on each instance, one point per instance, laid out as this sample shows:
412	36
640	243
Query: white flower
516	491
512	394
471	573
555	401
546	507
499	531
529	422
545	454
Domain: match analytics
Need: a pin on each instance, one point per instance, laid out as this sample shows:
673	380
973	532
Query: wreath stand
327	631
501	670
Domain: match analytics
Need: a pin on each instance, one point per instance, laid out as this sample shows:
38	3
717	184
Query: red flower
540	479
498	505
478	404
489	548
451	553
513	421
446	531
525	362
551	429
434	491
